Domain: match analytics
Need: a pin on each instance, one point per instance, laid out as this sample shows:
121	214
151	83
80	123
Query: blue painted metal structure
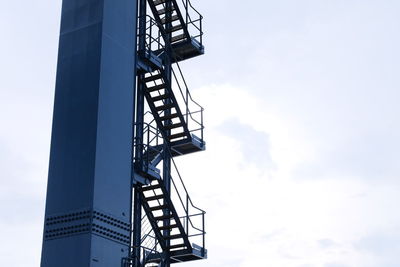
115	196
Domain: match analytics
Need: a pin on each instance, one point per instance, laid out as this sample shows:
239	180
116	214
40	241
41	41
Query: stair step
165	107
161	207
154	197
153	78
178	38
159	2
173	18
151	187
163	217
173	126
168	117
167	227
173	236
174	136
165	10
156	87
177	246
174	28
160	97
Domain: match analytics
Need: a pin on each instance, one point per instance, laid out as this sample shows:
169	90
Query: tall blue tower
122	113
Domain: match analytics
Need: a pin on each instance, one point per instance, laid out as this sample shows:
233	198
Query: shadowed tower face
88	204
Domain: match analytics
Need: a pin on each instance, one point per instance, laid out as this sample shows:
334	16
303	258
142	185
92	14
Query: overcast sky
302	115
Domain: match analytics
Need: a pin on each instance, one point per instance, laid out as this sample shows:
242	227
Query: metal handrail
188	203
128	260
192	22
148	129
186	96
189	96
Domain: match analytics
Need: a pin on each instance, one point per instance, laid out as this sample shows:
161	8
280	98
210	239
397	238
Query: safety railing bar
190	4
184	187
193	23
151	41
155	23
185	208
186	101
183	184
194	227
192	215
184	81
188	217
183	205
195	112
200	234
179	86
146	235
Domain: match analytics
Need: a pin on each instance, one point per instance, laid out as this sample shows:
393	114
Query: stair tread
168	227
164	107
158	207
165	10
153	77
160	97
168	117
174	136
175	28
156	197
156	87
176	246
159	2
178	38
173	18
173	126
151	187
163	217
173	236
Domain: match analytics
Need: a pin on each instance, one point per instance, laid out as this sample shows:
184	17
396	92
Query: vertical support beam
137	214
89	191
167	156
137	226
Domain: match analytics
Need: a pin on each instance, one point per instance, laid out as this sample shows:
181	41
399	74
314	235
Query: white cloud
281	217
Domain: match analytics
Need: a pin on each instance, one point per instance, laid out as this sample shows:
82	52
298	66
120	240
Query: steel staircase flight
167	113
160	99
159	207
166	220
171	223
174	26
167	225
170	15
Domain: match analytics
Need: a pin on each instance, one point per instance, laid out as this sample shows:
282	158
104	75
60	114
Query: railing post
147	147
202	127
187	108
187	12
201	30
150	39
204	234
187	214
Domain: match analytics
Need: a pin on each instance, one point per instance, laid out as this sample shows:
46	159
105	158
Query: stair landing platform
187	146
196	253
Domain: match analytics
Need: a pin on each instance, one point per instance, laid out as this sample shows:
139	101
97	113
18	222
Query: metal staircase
160	98
159	207
181	24
178	223
173	228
